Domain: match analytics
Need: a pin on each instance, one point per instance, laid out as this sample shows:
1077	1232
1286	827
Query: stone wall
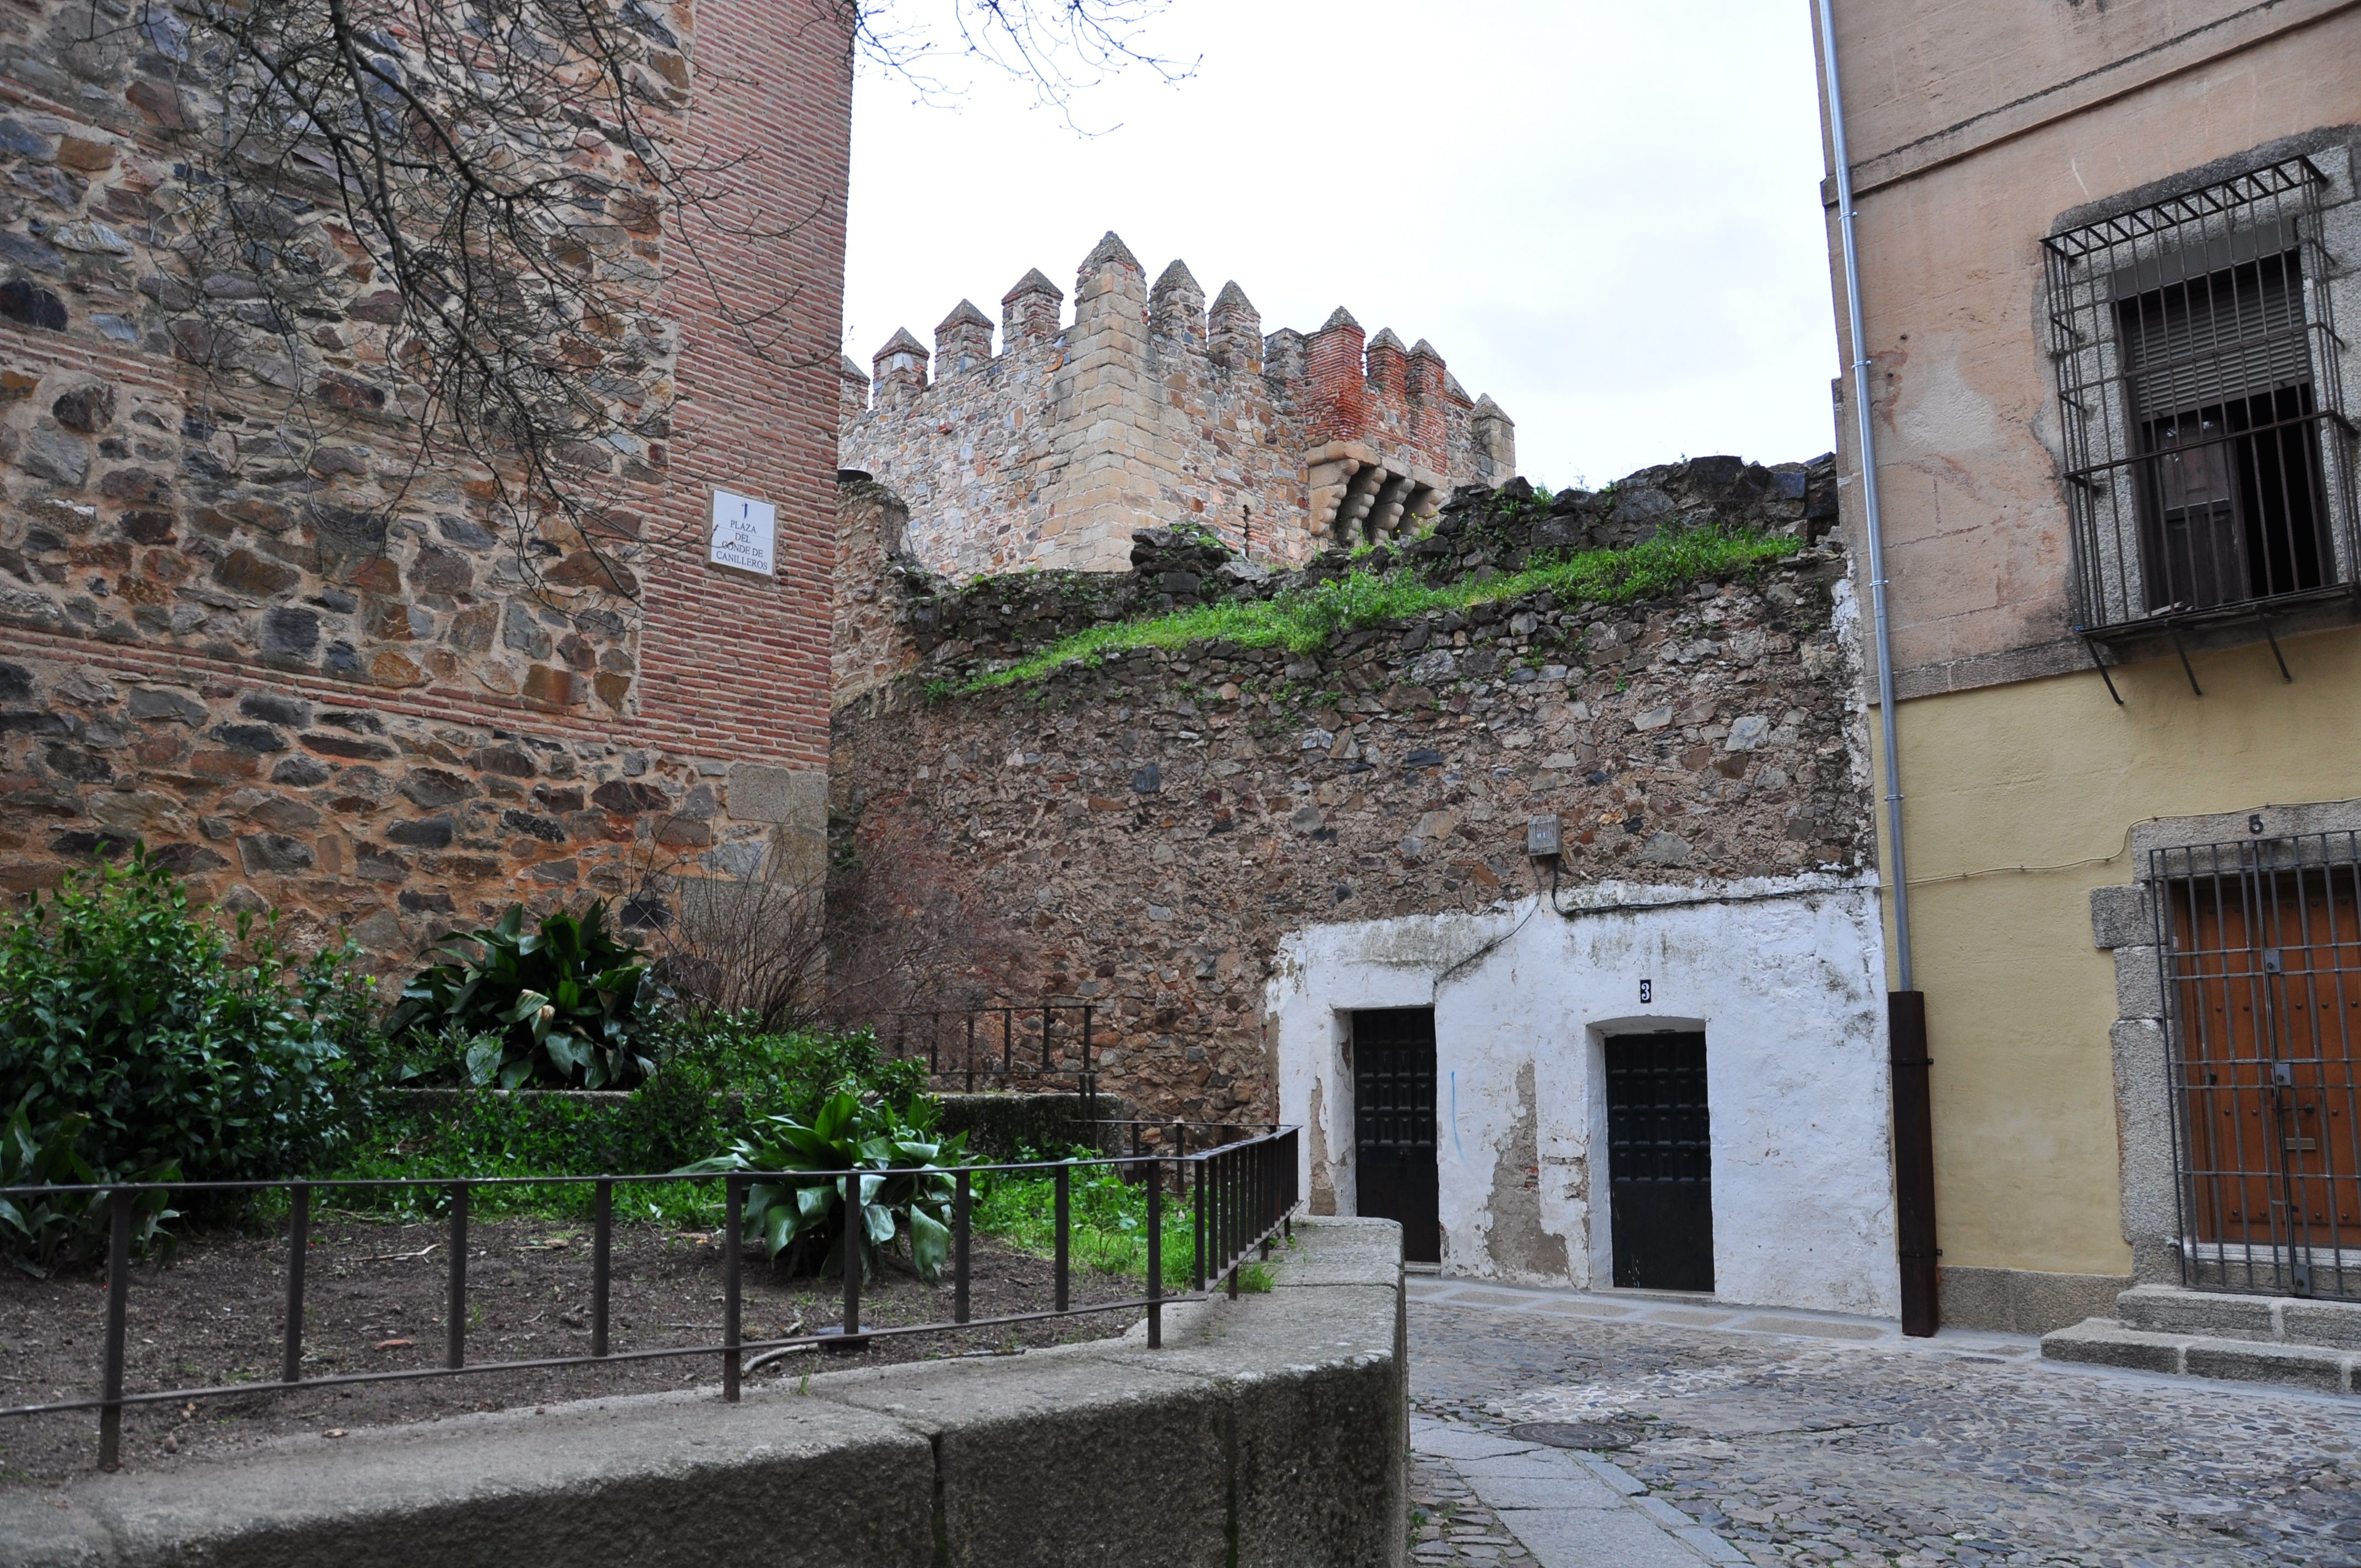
252	631
1148	409
1160	822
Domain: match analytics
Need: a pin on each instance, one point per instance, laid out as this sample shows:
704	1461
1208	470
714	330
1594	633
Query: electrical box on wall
1543	837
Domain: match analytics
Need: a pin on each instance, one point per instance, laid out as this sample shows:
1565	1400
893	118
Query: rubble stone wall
1149	409
1161	820
249	632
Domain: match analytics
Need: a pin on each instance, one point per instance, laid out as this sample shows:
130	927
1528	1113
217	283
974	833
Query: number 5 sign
745	533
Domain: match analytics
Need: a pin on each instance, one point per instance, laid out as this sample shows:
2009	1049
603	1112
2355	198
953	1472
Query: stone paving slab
1814	1450
1442	1440
1582	1309
1569	1509
1811	1328
1621	1539
1674	1312
1580	1490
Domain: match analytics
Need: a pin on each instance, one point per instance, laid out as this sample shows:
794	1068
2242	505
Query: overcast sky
1606	215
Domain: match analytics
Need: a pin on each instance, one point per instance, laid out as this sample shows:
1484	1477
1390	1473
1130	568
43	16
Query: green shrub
1108	1217
133	1041
564	1005
41	1227
716	1079
719	1074
803	1216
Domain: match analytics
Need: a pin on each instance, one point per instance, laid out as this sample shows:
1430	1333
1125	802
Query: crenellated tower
1149	408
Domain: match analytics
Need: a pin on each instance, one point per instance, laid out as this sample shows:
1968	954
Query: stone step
2104	1341
2219	1314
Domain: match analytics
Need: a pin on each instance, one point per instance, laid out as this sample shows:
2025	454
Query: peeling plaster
1324	1181
1520	1248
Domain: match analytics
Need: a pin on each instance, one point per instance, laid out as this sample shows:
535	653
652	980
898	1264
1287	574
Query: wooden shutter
2211	336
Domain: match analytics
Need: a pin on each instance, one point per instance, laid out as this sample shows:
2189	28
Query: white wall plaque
745	532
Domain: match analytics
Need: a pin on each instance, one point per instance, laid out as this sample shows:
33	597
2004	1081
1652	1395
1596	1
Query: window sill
2182	633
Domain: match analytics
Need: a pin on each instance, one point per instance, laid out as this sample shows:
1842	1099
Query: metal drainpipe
1913	1133
1866	440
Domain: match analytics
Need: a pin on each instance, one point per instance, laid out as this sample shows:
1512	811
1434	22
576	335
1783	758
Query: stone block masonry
1161	821
1269	1431
318	679
1151	410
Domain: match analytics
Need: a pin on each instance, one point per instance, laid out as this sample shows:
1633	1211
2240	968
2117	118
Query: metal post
118	1289
1234	1210
1266	1174
733	1234
959	1247
1914	1162
602	1243
454	1324
1087	1087
299	1242
852	1227
1064	1226
1287	1227
1155	1255
1197	1274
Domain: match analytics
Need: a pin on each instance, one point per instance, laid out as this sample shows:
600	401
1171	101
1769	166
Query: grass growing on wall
1303	620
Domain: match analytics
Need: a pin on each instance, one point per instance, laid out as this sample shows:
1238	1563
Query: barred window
2208	460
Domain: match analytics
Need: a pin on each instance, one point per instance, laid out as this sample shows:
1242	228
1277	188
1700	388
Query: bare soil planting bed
375	1301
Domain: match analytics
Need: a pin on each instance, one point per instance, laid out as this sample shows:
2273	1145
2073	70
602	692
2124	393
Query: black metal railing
1045	1045
1245	1194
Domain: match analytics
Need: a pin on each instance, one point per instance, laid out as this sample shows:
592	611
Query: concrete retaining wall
1268	1431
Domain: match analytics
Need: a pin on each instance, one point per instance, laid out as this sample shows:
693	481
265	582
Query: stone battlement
1151	408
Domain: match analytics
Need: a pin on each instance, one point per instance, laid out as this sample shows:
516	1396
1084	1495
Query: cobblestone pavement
1866	1449
1448	1525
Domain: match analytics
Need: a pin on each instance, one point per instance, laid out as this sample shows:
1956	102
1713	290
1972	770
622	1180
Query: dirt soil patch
375	1297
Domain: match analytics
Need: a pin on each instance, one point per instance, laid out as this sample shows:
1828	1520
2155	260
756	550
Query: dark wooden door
1393	1124
1660	1162
2268	968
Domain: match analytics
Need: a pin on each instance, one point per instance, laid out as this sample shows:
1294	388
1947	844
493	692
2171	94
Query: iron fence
997	1045
1245	1194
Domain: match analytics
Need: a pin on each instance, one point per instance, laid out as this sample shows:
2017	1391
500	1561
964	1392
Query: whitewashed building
1706	1061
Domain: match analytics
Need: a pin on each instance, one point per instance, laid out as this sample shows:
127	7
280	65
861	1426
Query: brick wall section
316	682
1151	410
733	666
1159	822
1337	395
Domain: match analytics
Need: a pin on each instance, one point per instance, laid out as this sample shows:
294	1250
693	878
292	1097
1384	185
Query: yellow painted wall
2043	774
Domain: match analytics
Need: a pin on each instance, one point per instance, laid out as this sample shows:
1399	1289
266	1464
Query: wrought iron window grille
2259	943
2209	470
